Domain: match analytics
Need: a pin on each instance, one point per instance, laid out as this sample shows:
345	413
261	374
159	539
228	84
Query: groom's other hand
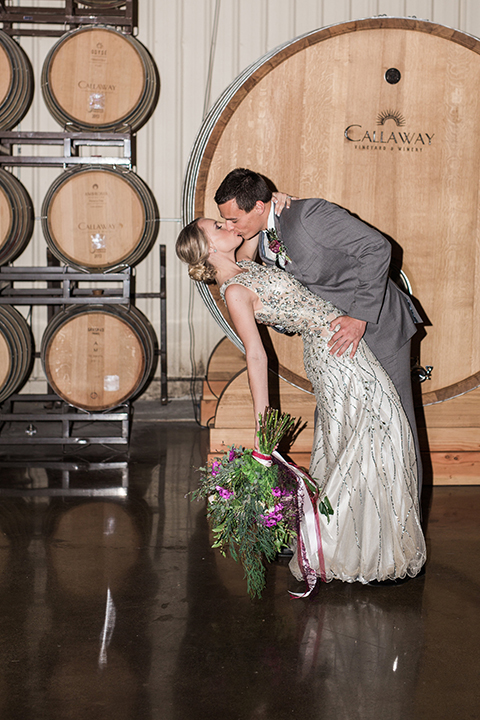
281	200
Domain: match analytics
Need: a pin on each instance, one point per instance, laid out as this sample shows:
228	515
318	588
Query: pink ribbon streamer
309	538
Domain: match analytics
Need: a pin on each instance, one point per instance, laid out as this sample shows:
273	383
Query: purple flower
270	522
272	517
223	492
276	491
274	246
215	467
231	455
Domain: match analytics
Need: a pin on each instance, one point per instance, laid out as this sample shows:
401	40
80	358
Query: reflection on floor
117	607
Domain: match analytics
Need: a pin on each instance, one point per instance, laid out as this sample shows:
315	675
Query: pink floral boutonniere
277	247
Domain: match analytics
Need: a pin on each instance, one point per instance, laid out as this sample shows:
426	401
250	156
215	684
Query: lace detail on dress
285	301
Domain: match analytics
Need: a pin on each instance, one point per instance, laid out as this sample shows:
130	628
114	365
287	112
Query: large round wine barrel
16	351
380	116
16	82
97	357
96	78
96	219
16	217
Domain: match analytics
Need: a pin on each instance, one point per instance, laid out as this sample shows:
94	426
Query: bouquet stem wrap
265	460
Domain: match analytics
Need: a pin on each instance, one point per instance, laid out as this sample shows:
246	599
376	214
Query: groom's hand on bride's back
348	332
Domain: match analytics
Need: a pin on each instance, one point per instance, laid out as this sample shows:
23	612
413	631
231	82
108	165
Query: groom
337	257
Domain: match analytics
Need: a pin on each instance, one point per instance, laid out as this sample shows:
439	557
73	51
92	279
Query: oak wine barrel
96	78
96	219
381	117
16	217
16	351
16	82
97	357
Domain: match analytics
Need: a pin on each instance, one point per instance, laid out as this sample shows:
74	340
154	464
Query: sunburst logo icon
394	115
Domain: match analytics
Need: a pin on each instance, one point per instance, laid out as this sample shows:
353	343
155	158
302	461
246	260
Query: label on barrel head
98	243
96	102
111	383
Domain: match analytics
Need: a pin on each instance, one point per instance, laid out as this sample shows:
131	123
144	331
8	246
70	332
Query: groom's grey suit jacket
345	261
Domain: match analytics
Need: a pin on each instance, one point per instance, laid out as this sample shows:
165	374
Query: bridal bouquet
253	501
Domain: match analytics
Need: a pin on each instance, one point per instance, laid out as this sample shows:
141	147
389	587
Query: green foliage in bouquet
252	508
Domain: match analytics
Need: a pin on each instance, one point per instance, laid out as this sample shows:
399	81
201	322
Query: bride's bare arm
240	303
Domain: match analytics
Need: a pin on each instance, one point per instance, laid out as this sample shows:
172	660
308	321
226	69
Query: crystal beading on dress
285	301
363	455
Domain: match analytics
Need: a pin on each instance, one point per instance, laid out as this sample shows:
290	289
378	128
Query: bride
363	456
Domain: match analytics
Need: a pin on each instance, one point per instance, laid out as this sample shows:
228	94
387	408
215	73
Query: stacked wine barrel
95	78
96	357
16	216
95	219
16	82
16	351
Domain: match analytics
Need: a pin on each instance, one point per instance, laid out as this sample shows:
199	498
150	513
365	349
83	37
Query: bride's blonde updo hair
192	247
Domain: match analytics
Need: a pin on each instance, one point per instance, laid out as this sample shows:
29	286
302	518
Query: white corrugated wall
199	46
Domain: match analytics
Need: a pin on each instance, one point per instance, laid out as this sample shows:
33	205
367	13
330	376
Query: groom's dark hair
246	187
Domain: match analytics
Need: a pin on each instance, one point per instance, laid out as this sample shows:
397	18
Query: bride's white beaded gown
363	456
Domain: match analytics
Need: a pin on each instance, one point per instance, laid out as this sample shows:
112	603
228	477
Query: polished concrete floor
117	608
